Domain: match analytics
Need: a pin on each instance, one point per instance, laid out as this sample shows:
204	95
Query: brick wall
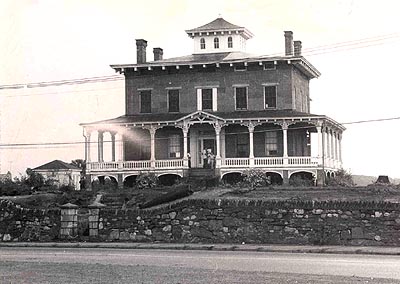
225	77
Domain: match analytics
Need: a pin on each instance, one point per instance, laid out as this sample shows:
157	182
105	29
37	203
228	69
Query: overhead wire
323	49
62	144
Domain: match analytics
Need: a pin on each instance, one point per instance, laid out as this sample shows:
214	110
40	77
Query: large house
246	111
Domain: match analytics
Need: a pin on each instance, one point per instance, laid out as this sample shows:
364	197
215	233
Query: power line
323	49
63	144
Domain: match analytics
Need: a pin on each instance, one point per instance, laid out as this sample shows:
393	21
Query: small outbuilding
61	173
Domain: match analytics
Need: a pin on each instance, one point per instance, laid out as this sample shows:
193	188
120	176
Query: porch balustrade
259	162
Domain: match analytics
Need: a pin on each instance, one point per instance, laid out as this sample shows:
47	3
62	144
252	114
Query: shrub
298	181
146	180
341	178
255	178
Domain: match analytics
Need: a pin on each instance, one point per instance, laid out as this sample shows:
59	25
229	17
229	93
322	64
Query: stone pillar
100	146
94	211
112	146
217	128
152	131
69	221
185	131
251	144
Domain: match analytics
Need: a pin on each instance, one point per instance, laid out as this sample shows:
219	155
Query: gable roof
57	165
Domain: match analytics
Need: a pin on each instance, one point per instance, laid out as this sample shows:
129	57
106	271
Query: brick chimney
141	45
288	43
297	48
158	53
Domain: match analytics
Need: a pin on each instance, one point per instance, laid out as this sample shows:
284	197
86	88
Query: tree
34	179
80	163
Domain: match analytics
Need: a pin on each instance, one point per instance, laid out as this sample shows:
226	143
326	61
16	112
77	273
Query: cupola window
216	42
202	43
230	42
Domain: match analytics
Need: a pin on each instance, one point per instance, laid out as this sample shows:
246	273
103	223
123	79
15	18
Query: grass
131	198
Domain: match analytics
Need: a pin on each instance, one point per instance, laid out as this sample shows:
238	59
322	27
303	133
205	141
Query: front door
205	146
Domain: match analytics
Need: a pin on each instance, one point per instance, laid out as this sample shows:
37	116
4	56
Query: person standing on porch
204	158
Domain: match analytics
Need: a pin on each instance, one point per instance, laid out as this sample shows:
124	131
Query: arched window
230	42
216	42
202	43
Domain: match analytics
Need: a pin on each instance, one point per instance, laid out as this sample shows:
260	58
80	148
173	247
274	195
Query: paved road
48	265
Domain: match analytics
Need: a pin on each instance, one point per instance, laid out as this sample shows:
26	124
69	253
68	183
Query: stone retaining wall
22	224
213	221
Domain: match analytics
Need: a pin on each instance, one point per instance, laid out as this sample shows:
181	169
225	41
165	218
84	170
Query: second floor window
270	96
202	43
173	100
216	42
230	42
241	98
206	99
145	101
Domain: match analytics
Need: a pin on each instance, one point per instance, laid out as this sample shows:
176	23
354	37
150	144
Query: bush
255	178
341	178
146	180
298	181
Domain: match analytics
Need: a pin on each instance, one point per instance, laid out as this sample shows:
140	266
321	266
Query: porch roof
173	118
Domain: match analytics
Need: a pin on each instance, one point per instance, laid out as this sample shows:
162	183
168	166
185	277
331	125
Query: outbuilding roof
57	165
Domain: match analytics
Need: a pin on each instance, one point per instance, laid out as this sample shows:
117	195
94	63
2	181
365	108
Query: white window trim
179	98
247	95
214	97
276	94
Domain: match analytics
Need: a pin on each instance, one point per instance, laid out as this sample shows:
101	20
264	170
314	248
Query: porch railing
258	162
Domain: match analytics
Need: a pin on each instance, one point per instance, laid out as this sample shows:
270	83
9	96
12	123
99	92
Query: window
230	42
269	65
173	100
242	145
271	143
206	99
145	101
174	146
216	42
241	97
270	96
240	67
202	43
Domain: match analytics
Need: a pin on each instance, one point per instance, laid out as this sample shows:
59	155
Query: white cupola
219	36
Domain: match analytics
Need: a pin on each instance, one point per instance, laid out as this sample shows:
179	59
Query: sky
354	44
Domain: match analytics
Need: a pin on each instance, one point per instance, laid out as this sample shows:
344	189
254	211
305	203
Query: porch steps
201	173
200	178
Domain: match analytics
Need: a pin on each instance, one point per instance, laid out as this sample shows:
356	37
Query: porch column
320	145
332	145
152	131
326	143
120	147
285	143
112	146
251	142
87	147
100	146
185	131
217	128
340	148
